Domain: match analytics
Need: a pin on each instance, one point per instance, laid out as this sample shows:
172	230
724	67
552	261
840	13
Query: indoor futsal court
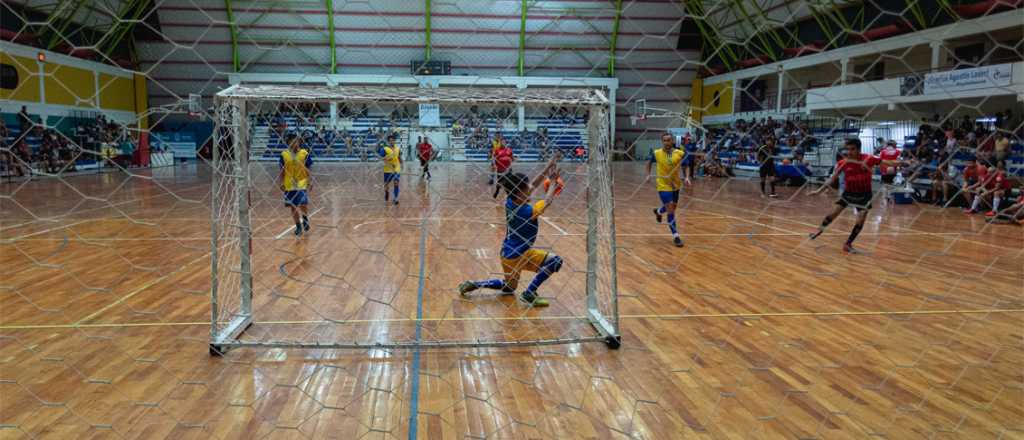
512	219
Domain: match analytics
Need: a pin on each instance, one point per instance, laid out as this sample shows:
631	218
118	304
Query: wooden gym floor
750	331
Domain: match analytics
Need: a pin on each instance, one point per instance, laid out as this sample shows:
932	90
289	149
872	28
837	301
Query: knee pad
555	263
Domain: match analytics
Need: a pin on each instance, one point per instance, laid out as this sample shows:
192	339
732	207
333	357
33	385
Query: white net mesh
325	287
752	330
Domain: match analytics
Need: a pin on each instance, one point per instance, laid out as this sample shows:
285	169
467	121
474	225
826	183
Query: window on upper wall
972	55
8	77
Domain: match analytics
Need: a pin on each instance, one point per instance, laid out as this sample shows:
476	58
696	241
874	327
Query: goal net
380	266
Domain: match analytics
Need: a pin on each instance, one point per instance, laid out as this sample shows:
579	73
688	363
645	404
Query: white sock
995	203
675	235
977	201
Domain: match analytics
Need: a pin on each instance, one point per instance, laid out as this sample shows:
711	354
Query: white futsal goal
374	274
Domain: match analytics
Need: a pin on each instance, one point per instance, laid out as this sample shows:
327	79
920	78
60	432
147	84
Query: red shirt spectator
974	173
999	181
858	172
889	153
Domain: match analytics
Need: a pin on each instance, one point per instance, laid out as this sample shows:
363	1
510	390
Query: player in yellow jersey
668	160
295	181
391	155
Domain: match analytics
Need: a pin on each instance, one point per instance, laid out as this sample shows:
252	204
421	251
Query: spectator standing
24	120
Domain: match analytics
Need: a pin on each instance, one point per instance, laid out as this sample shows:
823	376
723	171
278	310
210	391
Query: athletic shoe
657	216
969	211
298	230
305	225
773	195
532	299
396	202
990	214
848	248
815	234
466	287
678	241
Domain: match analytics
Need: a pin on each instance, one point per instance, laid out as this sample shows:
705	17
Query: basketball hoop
195	105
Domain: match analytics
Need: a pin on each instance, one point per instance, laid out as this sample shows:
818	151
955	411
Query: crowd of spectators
963	162
737	143
38	148
476	126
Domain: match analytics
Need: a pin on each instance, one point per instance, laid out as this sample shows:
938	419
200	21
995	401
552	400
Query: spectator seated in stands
49	157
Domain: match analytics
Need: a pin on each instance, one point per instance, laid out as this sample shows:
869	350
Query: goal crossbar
483	95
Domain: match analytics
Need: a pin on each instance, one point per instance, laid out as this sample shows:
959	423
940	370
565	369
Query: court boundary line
668	316
414	402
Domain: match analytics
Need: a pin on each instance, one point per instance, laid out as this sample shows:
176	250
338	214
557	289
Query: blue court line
415	400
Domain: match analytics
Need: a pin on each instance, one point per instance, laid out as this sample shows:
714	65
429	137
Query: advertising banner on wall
181	144
430	115
968	79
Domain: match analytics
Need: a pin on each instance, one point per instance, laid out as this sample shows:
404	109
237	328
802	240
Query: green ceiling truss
235	65
330	36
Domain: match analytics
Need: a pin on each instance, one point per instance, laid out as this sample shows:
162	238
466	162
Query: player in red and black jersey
997	186
975	176
857	169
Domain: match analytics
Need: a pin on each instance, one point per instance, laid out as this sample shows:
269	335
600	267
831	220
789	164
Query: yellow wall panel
69	86
116	93
716	99
28	79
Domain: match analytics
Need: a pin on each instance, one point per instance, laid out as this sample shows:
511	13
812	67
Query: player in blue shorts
522	224
295	181
668	160
391	156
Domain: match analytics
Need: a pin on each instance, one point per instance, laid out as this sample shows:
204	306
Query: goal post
349	283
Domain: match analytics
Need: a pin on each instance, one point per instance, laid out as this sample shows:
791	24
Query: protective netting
325	287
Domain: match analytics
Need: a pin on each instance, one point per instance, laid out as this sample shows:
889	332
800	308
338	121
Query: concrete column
936	54
844	70
778	92
334	115
520	111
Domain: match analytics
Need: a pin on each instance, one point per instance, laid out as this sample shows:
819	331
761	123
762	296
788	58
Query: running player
295	181
766	158
667	181
425	151
391	155
517	252
856	170
503	158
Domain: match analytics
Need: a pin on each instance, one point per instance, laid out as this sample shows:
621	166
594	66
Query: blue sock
552	265
672	223
396	192
661	210
490	284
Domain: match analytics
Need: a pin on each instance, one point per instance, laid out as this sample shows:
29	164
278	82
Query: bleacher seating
34	142
563	133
